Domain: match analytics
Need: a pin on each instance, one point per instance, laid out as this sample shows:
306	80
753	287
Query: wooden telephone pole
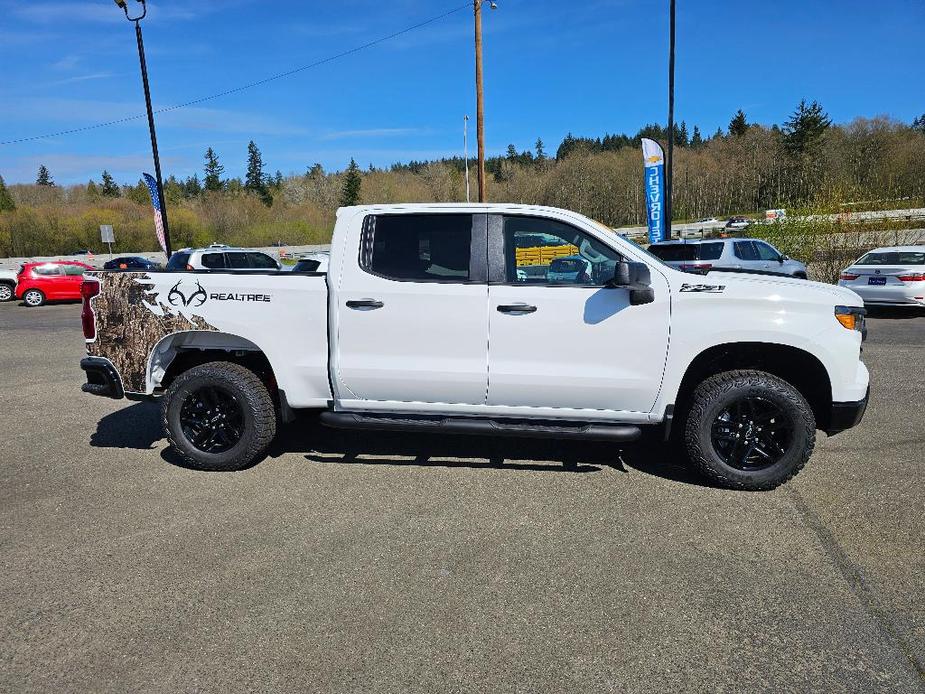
480	99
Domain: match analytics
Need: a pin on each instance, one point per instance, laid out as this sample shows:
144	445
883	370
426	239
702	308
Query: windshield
178	261
893	258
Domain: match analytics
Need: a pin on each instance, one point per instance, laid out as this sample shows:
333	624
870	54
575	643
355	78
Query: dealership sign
654	162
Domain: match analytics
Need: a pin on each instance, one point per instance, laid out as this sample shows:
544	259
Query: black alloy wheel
752	433
212	419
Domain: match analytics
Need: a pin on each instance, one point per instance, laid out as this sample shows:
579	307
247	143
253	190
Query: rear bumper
847	414
102	378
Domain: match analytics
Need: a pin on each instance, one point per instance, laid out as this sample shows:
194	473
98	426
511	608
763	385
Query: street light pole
144	79
670	157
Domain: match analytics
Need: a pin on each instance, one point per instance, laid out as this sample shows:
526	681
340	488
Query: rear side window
178	261
74	270
674	252
47	270
261	261
745	250
235	261
893	258
213	261
422	248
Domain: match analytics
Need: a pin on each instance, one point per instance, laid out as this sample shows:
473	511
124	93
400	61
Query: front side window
418	247
546	251
765	252
213	261
745	250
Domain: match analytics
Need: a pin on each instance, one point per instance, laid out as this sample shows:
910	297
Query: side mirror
783	258
635	277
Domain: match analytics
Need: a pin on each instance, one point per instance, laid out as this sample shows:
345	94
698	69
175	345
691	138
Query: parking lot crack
852	575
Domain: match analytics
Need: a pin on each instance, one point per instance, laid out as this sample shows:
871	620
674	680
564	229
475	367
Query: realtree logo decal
178	298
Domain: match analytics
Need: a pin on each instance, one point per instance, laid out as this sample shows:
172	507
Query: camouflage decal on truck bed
131	319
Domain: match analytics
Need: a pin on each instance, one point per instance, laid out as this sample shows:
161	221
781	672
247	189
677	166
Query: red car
41	282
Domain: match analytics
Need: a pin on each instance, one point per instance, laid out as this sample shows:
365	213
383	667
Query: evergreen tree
191	187
350	193
109	188
541	150
919	123
6	199
696	138
316	172
738	125
253	179
213	171
278	179
805	127
718	135
44	177
93	191
138	193
511	152
683	139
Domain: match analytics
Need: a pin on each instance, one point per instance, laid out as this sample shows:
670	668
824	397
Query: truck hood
791	285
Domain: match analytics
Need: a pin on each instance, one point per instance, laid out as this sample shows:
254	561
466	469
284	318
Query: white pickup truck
445	318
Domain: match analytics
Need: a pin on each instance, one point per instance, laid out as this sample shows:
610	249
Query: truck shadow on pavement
138	427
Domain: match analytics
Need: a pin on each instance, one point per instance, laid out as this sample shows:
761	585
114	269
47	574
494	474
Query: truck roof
470	206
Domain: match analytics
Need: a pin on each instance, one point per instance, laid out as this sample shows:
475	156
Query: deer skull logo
178	298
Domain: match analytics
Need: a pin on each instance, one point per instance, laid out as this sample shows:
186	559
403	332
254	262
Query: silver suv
703	255
222	258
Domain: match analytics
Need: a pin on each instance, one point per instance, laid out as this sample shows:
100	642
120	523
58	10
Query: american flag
158	217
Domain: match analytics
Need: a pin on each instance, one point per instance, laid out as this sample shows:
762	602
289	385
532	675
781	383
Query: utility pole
479	96
466	151
144	79
670	157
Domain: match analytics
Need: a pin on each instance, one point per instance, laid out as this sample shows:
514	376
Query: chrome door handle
516	308
366	304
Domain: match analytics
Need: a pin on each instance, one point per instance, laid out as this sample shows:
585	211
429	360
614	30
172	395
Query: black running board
482	427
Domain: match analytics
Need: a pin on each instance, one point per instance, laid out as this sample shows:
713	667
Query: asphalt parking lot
397	563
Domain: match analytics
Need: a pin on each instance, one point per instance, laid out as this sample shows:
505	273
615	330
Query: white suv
222	258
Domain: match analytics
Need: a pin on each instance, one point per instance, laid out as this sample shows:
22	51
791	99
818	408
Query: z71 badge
709	288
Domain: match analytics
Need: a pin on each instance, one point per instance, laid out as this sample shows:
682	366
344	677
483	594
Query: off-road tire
259	415
37	301
715	394
7	292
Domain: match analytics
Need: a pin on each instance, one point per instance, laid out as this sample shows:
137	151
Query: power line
249	85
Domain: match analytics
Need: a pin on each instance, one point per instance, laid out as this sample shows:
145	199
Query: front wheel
33	298
219	416
749	430
6	292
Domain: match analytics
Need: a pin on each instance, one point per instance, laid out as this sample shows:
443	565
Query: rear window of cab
687	251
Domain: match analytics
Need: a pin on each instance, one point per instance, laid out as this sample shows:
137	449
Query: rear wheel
33	298
219	416
6	292
749	430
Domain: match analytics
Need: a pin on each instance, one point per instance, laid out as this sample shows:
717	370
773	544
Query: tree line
807	161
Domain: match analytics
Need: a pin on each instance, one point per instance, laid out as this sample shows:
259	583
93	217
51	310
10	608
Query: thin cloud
374	132
83	78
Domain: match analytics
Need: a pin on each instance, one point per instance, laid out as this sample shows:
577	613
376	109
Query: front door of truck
411	315
558	338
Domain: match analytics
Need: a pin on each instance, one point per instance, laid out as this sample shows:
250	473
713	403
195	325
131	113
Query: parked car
737	223
735	254
82	251
313	262
893	276
132	262
7	285
427	330
54	281
569	269
222	258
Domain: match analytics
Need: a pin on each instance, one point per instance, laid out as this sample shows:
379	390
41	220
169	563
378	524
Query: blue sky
588	67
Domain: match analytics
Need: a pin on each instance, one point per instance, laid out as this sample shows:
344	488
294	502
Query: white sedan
888	276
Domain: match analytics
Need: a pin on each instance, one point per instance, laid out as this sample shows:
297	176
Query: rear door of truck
410	321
